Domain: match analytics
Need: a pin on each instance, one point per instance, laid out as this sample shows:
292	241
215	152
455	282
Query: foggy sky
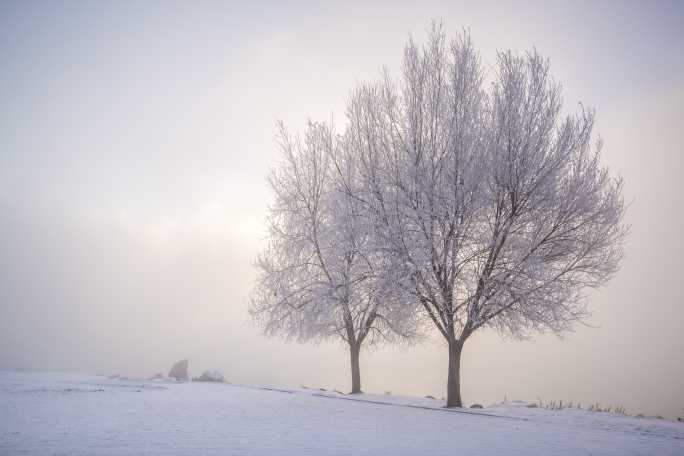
134	144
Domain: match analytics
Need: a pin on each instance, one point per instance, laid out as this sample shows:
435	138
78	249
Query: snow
76	414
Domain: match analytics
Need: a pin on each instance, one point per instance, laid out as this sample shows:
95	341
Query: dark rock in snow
429	397
210	376
179	371
476	406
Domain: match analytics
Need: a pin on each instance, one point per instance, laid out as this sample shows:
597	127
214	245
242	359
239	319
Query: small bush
595	407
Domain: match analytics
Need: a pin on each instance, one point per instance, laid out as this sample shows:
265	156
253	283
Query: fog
134	144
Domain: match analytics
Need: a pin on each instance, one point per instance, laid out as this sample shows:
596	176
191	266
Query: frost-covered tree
492	208
317	279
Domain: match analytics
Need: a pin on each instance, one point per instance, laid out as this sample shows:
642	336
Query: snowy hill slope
55	413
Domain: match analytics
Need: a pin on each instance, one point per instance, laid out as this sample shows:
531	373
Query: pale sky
135	139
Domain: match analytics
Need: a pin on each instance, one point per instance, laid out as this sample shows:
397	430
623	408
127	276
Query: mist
134	145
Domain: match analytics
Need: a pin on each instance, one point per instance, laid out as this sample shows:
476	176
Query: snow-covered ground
74	414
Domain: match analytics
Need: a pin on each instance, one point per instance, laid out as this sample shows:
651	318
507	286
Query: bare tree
318	277
492	209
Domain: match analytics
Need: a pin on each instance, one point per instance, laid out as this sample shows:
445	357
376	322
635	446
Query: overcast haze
134	143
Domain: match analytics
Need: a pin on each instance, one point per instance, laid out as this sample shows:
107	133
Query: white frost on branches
496	209
318	278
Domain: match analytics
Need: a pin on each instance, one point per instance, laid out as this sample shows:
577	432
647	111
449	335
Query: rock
532	405
210	376
179	371
476	406
429	397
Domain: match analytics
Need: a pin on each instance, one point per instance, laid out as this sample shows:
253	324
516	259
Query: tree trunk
454	375
354	350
